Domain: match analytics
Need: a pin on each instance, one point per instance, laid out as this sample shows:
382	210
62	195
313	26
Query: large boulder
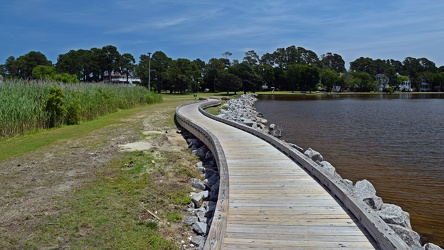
327	168
410	237
393	214
198	184
200	228
199	198
365	191
198	241
314	155
190	220
431	246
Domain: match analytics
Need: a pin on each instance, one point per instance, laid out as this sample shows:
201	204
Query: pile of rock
393	215
204	198
242	111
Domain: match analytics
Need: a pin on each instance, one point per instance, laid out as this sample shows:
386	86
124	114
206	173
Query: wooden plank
235	243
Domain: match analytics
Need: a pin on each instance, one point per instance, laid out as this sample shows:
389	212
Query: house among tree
117	77
425	86
405	86
382	82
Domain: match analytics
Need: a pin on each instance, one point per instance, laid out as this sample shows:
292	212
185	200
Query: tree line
292	68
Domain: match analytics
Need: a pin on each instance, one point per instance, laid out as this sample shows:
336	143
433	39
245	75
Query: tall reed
23	104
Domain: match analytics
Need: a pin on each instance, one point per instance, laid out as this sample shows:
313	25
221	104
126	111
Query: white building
116	77
405	86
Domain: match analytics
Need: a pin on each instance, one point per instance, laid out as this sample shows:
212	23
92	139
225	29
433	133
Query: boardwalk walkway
273	202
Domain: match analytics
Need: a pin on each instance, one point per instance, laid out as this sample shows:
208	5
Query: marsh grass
24	104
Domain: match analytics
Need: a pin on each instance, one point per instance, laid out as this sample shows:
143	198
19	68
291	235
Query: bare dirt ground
33	185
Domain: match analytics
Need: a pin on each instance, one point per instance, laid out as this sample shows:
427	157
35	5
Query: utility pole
149	71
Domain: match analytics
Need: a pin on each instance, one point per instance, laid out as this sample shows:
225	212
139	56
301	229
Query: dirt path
33	186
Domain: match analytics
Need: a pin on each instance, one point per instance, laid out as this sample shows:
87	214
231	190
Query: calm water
395	142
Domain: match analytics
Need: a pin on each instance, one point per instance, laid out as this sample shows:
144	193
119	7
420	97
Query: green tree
303	76
266	73
229	82
9	66
251	58
251	81
359	81
127	64
24	65
43	72
268	59
109	59
300	55
69	63
333	62
364	65
211	72
160	63
329	78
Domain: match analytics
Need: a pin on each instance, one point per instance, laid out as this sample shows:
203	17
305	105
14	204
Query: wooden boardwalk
273	202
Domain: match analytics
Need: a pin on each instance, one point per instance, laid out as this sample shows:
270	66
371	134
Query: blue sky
204	29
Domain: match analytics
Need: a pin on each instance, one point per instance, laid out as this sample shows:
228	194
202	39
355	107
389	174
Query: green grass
111	212
174	217
19	145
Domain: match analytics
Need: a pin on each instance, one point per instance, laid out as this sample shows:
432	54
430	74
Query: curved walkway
273	202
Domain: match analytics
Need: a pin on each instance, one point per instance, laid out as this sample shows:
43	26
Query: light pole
149	71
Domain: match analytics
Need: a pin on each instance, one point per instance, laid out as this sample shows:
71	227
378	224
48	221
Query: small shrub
73	110
55	107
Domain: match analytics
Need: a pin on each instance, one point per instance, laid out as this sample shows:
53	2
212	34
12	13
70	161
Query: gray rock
314	155
200	228
410	237
205	195
190	220
198	241
431	246
201	216
327	168
248	122
367	193
393	214
197	199
198	184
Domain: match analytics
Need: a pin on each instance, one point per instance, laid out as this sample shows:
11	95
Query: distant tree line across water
292	69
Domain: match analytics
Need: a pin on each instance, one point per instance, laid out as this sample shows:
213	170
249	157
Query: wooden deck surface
274	203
